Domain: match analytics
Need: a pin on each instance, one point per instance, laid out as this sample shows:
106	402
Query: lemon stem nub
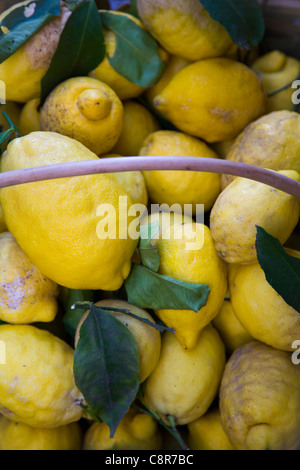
94	104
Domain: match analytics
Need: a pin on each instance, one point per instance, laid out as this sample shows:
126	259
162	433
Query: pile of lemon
226	375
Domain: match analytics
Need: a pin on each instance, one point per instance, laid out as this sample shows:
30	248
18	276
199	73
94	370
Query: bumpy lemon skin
56	223
230	328
187	253
243	205
264	313
259	399
84	109
276	71
20	436
184	28
185	382
207	433
180	187
23	71
37	386
213	99
272	141
26	296
147	338
136	431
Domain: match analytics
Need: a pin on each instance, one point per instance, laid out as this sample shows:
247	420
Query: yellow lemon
20	436
137	125
184	28
37	386
241	206
260	309
187	253
276	71
260	399
3	227
184	383
84	109
61	224
173	64
30	117
23	71
165	219
207	433
26	295
230	328
180	187
124	88
133	182
147	337
213	99
272	141
136	431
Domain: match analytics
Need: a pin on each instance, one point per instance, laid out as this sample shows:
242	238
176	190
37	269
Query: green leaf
282	270
82	38
73	316
148	289
149	253
136	55
106	366
242	19
9	134
21	27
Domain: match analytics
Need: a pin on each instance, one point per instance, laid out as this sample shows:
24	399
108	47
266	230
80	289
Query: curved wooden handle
120	164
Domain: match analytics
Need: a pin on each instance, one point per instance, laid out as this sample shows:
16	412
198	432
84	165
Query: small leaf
22	21
282	270
242	19
149	253
148	289
83	38
73	316
136	54
106	366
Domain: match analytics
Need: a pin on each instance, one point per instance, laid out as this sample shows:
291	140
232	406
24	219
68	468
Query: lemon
260	399
184	383
30	117
187	253
86	110
137	125
207	433
263	313
272	141
136	431
23	71
20	436
26	296
59	223
184	28
230	328
37	386
3	227
277	70
180	187
241	206
213	99
173	64
147	337
164	219
124	88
